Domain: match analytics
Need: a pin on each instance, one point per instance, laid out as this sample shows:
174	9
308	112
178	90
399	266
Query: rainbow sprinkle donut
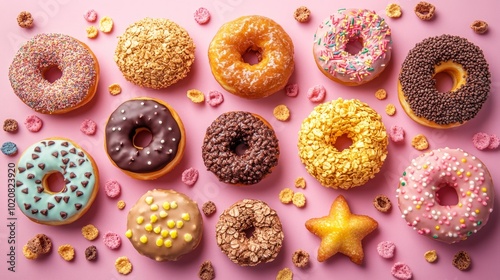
344	28
419	194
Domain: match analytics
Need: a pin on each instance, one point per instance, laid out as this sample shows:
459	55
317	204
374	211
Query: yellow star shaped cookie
341	231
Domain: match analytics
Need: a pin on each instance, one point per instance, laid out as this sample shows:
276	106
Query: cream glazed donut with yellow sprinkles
419	194
164	225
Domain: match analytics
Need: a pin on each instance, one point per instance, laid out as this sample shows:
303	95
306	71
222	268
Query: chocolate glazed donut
163	152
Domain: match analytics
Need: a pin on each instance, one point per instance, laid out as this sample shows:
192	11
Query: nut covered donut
164	151
348	26
421	206
164	225
265	242
350	167
257	34
464	62
231	130
77	84
33	193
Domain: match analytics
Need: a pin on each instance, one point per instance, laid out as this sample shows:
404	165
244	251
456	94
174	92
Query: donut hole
142	137
252	55
443	81
239	147
54	182
354	46
52	74
446	195
249	232
342	142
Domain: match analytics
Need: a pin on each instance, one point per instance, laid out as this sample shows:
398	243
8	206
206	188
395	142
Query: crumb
424	10
381	94
202	15
462	260
299	199
92	32
292	90
286	195
112	188
300	258
91	253
206	271
390	109
106	24
420	142
300	182
28	253
401	271
90	232
120	204
396	133
215	98
385	249
316	93
479	26
302	14
114	89
40	244
208	208
33	123
393	10
481	140
281	113
123	265
88	127
112	240
285	274
67	252
430	256
10	125
382	203
90	16
195	96
25	19
9	148
190	176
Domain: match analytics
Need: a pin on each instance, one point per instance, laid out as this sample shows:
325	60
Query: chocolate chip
63	214
81	154
51	143
72	150
73	188
25	191
65	160
79	193
41	166
39	189
81	161
37	198
78	206
27	206
63	153
37	149
85	183
34	156
57	198
44	212
19	183
34	211
65	144
29	165
88	174
66	199
72	175
55	154
38	181
30	176
50	205
21	169
72	164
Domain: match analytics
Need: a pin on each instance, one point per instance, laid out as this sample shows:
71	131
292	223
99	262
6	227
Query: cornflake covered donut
164	225
346	27
418	194
265	242
350	167
164	151
231	130
77	84
35	197
464	62
274	50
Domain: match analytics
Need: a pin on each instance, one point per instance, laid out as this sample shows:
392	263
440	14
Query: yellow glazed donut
258	34
350	167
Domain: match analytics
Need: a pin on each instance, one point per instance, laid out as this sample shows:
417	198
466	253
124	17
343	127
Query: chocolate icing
124	123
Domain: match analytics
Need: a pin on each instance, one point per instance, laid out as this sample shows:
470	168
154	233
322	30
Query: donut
233	235
164	225
346	28
155	53
353	166
236	129
77	84
165	149
460	59
419	190
33	193
274	50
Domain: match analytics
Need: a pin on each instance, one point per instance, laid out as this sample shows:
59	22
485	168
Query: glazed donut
469	70
35	197
76	86
164	151
418	194
154	53
258	34
226	133
164	225
350	167
265	242
346	27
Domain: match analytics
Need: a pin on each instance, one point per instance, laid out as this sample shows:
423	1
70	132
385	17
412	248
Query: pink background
65	16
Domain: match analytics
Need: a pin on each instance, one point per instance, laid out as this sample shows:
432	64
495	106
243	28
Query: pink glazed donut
418	195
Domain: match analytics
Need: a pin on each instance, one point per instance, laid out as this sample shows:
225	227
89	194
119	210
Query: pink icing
401	271
481	140
112	240
215	98
396	133
453	168
202	15
316	93
347	25
33	123
112	188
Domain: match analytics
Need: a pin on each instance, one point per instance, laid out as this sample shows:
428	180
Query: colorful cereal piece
9	148
393	10
382	203
90	232
67	252
114	89
286	195
396	133
88	127
479	26
25	19
300	182
190	176
386	249
208	208
302	14
90	16
381	94
462	260
481	140
299	199
300	258
215	98
121	204
106	24
112	240
430	256
91	253
390	109
123	265
112	188
206	271
92	32
10	125
285	274
424	10
195	96
401	271
202	15
33	123
420	142
281	113
494	142
292	90
316	93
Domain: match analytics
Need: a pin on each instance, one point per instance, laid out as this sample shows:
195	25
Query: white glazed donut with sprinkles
165	149
35	197
420	204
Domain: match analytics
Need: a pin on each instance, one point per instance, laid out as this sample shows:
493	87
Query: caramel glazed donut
229	131
76	86
262	246
274	50
35	197
164	151
459	58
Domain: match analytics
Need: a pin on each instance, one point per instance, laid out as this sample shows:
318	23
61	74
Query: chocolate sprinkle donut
419	87
229	131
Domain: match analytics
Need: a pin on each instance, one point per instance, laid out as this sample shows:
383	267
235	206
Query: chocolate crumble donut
235	237
232	130
460	59
165	149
